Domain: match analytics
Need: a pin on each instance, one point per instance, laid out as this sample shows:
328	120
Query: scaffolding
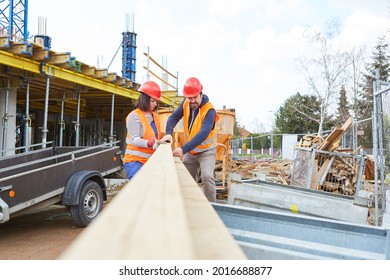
129	47
13	19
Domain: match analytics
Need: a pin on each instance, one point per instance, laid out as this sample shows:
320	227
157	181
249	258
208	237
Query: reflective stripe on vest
134	153
211	141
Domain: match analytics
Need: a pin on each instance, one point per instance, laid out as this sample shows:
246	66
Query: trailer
69	176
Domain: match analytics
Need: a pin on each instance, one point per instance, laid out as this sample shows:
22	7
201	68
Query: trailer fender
71	195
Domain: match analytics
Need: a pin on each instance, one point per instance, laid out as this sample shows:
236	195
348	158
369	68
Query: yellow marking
294	208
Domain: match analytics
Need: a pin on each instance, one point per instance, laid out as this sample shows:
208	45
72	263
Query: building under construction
49	98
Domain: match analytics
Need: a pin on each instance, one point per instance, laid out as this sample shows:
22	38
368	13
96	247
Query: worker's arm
207	126
174	118
134	128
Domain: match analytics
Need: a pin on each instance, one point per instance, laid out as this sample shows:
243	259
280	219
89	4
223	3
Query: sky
243	51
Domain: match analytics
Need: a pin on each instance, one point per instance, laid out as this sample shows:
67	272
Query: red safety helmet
192	87
152	89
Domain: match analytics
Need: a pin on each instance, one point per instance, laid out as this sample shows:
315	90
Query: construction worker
199	151
143	128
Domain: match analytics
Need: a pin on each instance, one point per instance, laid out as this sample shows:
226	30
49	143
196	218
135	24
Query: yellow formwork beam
70	76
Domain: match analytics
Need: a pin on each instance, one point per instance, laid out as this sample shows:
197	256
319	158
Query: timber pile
275	170
331	142
161	214
332	173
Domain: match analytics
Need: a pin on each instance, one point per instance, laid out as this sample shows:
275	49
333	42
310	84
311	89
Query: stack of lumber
336	174
275	170
331	142
332	173
161	214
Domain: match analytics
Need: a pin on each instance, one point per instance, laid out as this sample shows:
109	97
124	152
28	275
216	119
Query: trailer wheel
91	203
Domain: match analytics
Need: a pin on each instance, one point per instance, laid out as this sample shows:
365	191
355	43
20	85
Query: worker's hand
166	138
178	152
151	141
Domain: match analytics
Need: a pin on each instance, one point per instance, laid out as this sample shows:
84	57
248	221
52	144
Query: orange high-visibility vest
211	141
134	153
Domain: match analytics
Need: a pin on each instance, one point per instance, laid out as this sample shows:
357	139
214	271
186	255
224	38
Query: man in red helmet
199	150
143	128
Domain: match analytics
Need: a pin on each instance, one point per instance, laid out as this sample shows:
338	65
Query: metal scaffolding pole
5	119
44	127
27	126
77	123
111	138
62	121
375	144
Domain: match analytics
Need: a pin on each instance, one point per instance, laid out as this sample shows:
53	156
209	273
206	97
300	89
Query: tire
91	204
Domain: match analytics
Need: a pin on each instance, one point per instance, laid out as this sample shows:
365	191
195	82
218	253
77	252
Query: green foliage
236	131
343	106
380	61
298	114
259	141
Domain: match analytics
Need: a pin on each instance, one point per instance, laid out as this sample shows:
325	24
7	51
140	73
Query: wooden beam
21	48
111	77
40	55
210	237
101	73
160	214
59	58
5	42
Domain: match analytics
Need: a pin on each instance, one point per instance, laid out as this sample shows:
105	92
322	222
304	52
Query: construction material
278	197
330	171
160	214
272	235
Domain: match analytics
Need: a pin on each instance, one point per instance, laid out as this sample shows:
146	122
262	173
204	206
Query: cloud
363	28
230	8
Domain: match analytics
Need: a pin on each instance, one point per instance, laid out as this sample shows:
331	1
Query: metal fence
381	143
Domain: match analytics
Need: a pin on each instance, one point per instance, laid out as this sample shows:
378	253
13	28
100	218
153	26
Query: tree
288	121
259	141
353	81
236	131
343	106
259	127
380	60
324	69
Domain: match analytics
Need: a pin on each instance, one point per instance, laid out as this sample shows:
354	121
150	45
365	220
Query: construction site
62	144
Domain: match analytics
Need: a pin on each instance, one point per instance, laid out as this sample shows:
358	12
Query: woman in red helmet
143	128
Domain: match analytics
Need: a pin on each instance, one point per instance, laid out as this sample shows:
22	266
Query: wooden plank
319	177
211	239
160	214
347	124
146	220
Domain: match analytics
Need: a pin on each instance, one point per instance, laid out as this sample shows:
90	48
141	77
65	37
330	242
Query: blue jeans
132	168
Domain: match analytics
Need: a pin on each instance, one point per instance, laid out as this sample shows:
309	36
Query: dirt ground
40	235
